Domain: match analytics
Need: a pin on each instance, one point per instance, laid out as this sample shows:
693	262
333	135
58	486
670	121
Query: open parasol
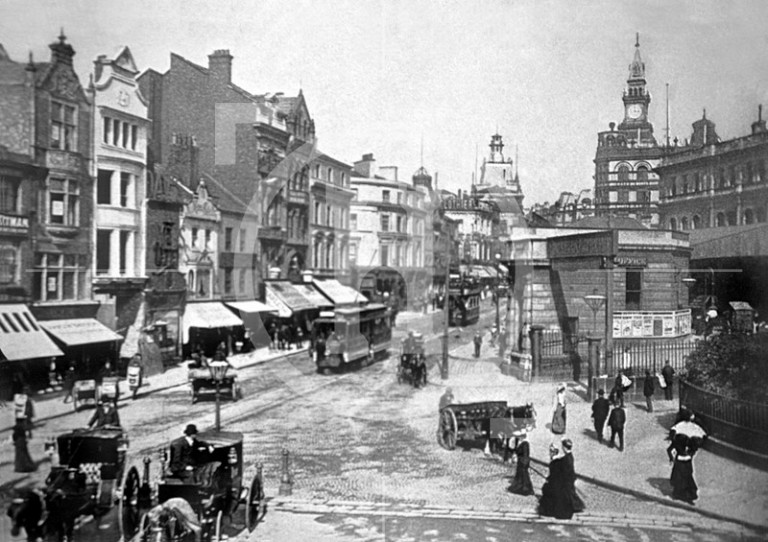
689	429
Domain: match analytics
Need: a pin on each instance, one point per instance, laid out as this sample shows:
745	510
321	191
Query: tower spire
637	39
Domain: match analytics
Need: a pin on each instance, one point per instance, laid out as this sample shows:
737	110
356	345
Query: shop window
59	277
228	239
64	201
104	187
633	297
103	240
8	264
9	194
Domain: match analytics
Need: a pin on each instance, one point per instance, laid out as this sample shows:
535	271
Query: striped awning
313	296
338	293
286	298
22	336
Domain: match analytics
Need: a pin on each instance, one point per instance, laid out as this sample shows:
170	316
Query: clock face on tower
634	111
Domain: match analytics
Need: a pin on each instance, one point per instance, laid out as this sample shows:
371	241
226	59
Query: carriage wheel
129	513
255	506
326	371
448	430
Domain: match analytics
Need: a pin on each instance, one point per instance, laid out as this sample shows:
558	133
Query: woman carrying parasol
686	437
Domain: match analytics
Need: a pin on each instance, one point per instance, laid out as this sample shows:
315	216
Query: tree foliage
734	365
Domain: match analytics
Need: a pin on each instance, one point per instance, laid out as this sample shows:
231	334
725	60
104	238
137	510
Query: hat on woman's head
191	430
561	386
567	444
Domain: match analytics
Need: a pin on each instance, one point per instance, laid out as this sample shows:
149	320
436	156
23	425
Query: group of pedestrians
286	337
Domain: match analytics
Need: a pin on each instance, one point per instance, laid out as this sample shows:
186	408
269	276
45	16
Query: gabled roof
244	93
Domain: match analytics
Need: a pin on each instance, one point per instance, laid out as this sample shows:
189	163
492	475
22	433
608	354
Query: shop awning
209	316
22	337
250	306
313	296
286	298
77	331
338	293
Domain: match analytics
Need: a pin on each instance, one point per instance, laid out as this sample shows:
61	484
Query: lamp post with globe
218	371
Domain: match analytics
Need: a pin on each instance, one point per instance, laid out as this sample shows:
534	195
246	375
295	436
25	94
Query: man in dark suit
600	409
187	453
105	415
616	421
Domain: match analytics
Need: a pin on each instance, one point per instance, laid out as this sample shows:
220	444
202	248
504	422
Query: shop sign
626	261
10	221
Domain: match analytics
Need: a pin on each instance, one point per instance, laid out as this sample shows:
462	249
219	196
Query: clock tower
625	181
636	101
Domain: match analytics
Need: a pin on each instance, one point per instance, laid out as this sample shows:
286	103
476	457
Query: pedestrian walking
478	340
617	421
22	460
570	475
521	484
69	383
686	438
555	499
600	409
558	410
24	410
621	384
668	374
648	389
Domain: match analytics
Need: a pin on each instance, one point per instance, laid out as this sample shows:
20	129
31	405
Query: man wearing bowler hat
188	453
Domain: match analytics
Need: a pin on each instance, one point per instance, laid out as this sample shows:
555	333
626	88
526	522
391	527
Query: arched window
672	223
642	173
696	223
623	173
684	223
749	216
720	221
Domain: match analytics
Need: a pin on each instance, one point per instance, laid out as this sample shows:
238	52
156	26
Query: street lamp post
498	292
595	302
218	371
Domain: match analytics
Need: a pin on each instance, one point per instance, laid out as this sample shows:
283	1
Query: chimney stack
220	65
759	125
61	52
366	166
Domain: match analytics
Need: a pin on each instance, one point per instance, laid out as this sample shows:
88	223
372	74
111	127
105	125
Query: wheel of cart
448	429
84	393
214	491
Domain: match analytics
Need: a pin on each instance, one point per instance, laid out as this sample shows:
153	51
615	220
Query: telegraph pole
446	307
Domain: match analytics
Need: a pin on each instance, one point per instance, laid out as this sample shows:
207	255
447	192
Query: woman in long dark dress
558	415
521	484
681	451
555	497
22	460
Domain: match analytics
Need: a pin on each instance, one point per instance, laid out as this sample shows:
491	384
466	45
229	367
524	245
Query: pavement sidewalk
51	406
729	490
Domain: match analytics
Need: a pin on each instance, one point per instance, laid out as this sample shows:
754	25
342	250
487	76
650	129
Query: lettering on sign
7	221
591	244
625	261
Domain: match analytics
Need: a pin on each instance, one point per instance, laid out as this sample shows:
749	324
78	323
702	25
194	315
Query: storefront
294	310
208	324
339	294
26	351
254	333
86	342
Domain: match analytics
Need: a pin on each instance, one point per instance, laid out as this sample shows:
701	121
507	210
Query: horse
513	421
26	512
66	499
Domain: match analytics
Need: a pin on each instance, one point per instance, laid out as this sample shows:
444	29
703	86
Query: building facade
387	229
625	181
478	219
331	196
120	147
712	183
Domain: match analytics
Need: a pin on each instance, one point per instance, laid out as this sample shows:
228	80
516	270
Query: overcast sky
380	75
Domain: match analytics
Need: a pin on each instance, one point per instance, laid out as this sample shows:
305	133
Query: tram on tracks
464	300
349	335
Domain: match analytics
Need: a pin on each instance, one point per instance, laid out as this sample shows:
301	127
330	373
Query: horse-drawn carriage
201	380
89	392
413	365
86	482
176	507
491	420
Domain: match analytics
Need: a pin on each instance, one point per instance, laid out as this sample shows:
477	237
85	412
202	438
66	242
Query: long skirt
23	461
555	502
683	485
521	484
558	420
